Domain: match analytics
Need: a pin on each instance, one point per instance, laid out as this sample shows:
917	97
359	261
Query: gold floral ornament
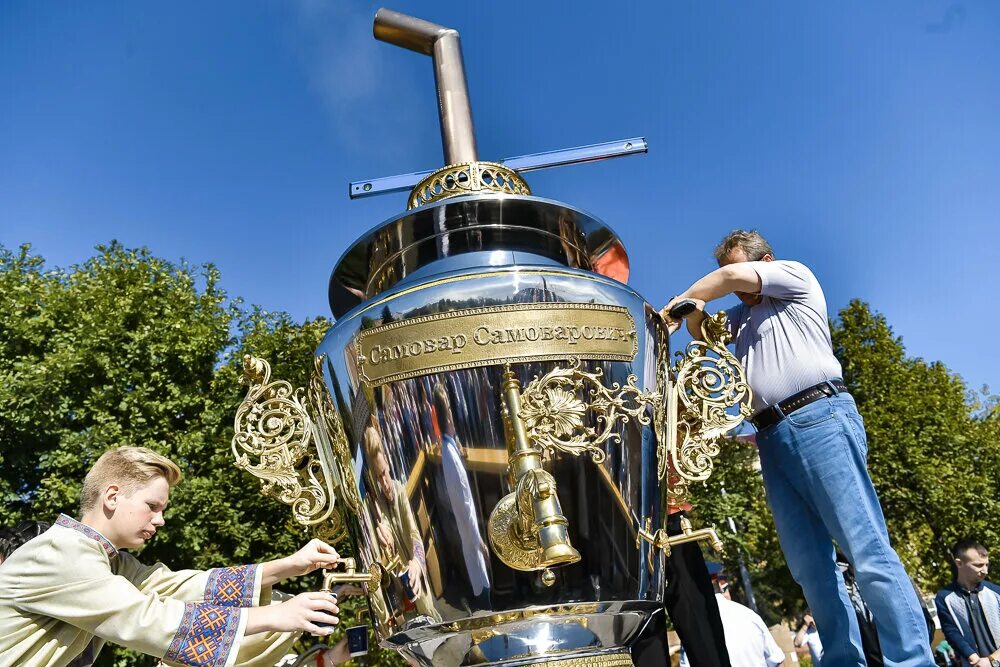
275	442
554	413
702	388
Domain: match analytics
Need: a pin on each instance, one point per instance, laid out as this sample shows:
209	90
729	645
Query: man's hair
127	467
442	406
12	538
958	551
749	241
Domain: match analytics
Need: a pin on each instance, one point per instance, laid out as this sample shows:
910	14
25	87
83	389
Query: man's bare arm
739	277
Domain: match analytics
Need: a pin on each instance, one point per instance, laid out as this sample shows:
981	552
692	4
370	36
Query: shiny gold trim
372	578
487	336
560	612
660	540
621	659
273	426
467	178
554	414
703	385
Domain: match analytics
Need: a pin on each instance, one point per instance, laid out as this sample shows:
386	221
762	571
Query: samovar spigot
350	575
528	529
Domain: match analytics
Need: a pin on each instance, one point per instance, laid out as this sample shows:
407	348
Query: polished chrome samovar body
493	419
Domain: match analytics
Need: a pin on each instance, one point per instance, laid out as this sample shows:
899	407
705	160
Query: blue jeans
815	474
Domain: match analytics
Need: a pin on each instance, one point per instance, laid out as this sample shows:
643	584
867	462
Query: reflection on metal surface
330	432
554	414
527	529
705	383
470	178
457	228
274	427
491	335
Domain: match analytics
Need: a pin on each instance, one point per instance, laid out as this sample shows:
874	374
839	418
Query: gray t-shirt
784	341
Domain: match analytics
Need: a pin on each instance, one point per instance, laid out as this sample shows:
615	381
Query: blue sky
861	138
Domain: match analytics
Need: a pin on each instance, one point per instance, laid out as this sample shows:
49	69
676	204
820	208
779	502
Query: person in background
748	641
12	538
969	607
808	636
944	655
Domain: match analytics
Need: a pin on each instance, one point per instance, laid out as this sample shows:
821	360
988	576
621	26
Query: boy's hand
336	655
301	613
313	556
413	569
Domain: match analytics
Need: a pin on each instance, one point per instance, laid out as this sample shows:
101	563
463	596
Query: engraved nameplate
495	335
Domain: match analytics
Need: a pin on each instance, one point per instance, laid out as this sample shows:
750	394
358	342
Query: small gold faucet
350	575
660	540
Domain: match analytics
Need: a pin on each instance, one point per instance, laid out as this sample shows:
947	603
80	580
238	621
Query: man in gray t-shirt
813	450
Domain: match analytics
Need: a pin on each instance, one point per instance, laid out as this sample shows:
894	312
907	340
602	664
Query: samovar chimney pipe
444	47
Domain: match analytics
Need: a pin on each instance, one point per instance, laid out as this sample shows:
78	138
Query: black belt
771	415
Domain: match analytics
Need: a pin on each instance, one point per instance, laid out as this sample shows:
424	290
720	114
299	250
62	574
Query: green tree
933	451
129	349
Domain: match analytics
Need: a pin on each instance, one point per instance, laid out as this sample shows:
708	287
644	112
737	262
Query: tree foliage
129	349
934	453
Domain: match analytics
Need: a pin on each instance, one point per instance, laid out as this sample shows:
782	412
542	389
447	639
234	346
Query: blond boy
68	591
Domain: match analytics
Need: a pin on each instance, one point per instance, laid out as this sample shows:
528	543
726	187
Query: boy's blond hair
127	467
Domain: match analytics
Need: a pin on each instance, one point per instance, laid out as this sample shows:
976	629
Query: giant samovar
494	420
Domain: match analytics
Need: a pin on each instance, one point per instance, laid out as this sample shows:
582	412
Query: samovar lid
536	227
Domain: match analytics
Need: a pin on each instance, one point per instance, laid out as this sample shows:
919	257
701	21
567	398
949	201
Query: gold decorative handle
699	390
527	529
293	441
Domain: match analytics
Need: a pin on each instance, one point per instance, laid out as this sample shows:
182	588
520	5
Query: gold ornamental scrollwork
275	441
702	389
466	179
555	415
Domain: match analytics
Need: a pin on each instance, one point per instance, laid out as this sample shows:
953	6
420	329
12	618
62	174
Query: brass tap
350	575
660	540
528	529
689	535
